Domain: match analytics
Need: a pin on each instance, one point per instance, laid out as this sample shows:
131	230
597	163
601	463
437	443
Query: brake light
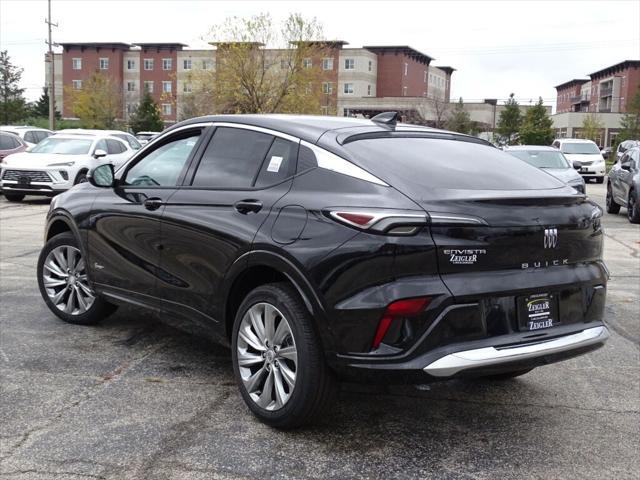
355	218
408	307
390	222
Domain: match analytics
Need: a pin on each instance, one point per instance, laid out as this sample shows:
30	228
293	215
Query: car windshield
63	146
580	148
541	158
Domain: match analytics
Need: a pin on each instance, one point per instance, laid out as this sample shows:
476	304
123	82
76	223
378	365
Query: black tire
98	310
633	209
81	177
507	375
599	179
14	197
612	206
315	385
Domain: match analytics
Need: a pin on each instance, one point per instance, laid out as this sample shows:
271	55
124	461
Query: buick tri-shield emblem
550	237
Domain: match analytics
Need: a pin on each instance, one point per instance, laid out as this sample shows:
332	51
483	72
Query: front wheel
63	282
14	197
612	206
633	209
278	358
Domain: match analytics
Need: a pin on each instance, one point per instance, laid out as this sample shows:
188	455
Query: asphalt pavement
133	398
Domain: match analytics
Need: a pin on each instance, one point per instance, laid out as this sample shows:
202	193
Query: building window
166	87
307	63
131	108
327	63
369	89
186	87
348	88
324	109
284	64
104	64
131	86
131	64
425	76
166	109
349	64
327	88
370	65
404	91
148	86
186	64
76	64
406	69
208	64
77	84
167	64
148	63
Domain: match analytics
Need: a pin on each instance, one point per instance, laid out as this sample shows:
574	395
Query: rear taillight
408	307
390	222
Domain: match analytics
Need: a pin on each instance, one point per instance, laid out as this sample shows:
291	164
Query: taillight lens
407	307
390	222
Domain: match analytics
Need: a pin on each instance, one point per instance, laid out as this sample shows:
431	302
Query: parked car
57	163
551	161
133	142
30	135
623	186
624	146
146	137
325	248
10	143
587	153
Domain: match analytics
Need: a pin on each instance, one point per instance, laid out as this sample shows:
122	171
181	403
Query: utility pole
52	81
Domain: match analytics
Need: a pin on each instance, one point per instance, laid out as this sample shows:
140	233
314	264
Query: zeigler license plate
538	311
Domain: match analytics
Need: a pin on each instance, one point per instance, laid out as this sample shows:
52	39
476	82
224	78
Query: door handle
153	203
246	206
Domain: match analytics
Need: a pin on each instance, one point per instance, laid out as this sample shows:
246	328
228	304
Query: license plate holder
538	311
24	181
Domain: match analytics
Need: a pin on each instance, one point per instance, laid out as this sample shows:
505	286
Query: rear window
541	158
421	164
580	148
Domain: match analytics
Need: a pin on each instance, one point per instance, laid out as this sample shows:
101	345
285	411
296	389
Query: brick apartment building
606	94
363	80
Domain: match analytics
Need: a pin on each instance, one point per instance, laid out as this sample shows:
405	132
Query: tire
507	375
314	385
612	206
81	177
633	209
14	197
68	293
599	179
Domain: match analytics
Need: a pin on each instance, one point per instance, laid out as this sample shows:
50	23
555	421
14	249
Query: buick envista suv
323	249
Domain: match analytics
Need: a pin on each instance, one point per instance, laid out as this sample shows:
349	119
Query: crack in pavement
634	251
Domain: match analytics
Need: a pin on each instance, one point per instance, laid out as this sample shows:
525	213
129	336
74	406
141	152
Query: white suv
587	153
58	163
31	135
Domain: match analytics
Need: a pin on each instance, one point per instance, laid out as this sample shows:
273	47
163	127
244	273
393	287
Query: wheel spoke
71	259
281	332
289	353
54	268
55	299
80	265
254	380
266	396
270	315
68	308
288	375
281	395
60	260
82	304
256	322
245	359
250	338
85	289
50	282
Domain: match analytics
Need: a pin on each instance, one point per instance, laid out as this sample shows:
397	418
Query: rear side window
30	137
115	147
232	158
130	139
8	142
278	164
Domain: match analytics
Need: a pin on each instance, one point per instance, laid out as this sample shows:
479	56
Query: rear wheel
612	206
633	209
278	359
14	197
81	177
64	285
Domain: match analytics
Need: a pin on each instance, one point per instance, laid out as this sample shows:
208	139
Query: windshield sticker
464	256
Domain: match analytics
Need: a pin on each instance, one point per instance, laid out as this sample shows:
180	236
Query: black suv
324	248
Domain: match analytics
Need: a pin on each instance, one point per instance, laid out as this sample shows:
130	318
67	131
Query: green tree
40	108
98	103
630	122
13	106
460	120
537	126
509	122
146	117
592	127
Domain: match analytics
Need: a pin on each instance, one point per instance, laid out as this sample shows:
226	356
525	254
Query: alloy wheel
267	356
64	278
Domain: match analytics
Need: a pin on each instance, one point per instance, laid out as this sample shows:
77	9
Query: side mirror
99	153
577	165
101	176
625	166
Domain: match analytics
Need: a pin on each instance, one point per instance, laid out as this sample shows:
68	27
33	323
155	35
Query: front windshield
63	146
541	158
580	148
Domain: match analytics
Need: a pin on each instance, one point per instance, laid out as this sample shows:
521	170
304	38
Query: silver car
552	161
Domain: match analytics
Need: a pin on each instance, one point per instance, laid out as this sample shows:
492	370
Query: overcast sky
495	47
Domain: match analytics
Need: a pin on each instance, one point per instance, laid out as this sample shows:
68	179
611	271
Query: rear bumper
480	358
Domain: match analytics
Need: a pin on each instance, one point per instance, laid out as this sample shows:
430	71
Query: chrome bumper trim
456	362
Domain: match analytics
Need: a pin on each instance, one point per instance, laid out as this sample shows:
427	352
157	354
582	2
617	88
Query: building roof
570	83
176	45
404	49
328	43
243	44
83	45
616	68
448	70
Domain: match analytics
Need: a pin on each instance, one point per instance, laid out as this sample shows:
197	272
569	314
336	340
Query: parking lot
133	398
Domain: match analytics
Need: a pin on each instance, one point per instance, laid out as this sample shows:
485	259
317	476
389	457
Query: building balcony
579	99
606	91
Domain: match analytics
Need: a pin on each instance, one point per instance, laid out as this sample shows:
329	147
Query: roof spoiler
386	118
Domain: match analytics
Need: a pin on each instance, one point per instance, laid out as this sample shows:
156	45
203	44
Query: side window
278	164
6	142
232	158
114	147
102	145
306	159
162	167
30	137
42	135
556	144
